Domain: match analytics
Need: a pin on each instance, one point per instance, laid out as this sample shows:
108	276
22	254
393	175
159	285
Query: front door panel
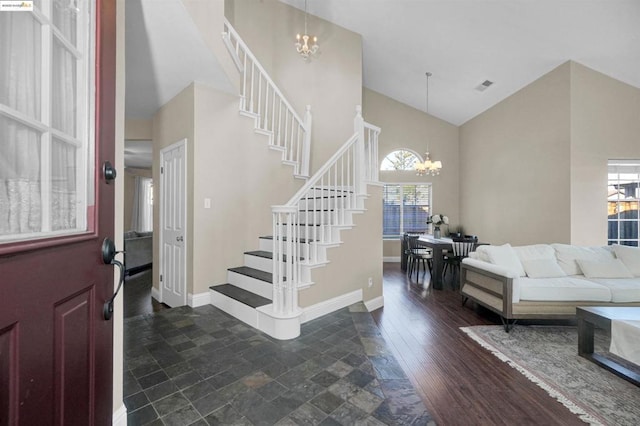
56	349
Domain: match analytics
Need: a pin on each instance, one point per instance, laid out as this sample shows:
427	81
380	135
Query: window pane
64	83
20	52
399	160
64	190
405	209
391	211
65	18
622	201
20	198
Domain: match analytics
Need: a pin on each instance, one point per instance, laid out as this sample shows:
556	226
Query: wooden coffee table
601	317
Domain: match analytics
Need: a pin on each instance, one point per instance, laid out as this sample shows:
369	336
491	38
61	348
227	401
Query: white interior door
173	224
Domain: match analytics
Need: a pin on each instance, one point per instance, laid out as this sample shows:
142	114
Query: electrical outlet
370	282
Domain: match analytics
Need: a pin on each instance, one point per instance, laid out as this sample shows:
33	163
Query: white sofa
548	281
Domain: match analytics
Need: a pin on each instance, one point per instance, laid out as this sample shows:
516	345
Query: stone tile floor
200	366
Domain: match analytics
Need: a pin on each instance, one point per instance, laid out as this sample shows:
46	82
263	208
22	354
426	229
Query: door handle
109	258
180	238
109	172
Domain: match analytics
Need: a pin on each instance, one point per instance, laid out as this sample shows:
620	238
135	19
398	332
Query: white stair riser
326	203
328	192
265	264
253	285
318	249
257	262
317	233
313	216
236	309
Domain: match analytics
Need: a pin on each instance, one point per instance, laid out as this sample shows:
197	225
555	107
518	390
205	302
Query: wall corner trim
199	299
375	303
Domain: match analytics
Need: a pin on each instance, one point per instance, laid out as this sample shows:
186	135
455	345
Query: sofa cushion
535	252
564	289
630	256
542	268
504	256
623	290
568	254
613	268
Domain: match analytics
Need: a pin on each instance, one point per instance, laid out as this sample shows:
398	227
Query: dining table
438	246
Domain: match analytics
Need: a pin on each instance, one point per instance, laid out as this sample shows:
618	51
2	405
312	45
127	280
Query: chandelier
303	47
428	167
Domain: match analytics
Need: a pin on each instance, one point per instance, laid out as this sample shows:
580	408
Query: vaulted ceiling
461	42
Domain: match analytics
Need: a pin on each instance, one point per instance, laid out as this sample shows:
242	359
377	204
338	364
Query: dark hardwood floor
137	295
461	383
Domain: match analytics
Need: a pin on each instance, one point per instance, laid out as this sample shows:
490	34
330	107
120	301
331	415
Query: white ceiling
462	42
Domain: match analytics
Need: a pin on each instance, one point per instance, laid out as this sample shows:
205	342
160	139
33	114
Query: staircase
264	291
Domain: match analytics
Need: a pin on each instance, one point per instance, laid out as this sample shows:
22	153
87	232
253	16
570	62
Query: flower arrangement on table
438	220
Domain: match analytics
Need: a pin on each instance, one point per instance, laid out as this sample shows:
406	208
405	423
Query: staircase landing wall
355	261
331	82
234	168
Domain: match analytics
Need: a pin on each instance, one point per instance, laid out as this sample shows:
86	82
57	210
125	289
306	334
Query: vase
436	232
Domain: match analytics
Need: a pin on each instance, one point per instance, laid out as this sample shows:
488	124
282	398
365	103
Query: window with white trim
622	201
46	105
406	208
401	159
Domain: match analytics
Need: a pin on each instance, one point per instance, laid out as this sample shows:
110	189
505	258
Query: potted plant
437	220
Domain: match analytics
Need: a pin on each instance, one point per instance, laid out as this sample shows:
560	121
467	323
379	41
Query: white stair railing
310	218
274	116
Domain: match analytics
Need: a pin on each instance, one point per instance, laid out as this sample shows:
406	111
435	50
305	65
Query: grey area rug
548	356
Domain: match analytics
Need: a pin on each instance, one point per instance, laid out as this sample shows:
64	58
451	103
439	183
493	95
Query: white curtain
142	214
21	145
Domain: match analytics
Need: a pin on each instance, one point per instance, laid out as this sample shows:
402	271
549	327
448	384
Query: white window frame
415	154
84	139
630	169
402	184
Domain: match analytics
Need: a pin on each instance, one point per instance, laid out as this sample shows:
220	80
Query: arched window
402	159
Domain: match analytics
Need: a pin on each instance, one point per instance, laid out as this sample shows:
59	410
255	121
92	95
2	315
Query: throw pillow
613	268
506	257
630	256
542	268
567	256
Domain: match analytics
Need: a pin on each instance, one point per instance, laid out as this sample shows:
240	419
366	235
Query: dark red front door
56	347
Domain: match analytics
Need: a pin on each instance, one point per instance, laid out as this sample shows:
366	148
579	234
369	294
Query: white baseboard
375	303
391	259
326	307
199	299
119	417
155	293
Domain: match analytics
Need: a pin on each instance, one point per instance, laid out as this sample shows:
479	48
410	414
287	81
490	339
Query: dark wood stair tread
302	240
266	254
241	295
254	273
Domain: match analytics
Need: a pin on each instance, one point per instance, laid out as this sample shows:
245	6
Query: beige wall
605	124
515	166
331	83
236	169
138	129
535	165
171	123
406	127
352	263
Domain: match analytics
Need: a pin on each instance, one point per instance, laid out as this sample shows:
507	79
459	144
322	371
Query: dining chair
418	255
460	248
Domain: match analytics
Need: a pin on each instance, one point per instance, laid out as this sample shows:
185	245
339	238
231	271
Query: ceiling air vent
484	85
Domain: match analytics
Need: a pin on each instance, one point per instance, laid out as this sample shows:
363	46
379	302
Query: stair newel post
306	142
292	258
358	124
